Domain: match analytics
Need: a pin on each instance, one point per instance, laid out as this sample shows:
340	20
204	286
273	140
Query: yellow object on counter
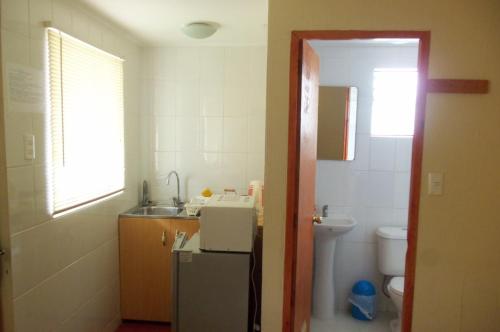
206	192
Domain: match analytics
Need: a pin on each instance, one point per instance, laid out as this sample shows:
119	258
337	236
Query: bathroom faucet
145	194
177	200
324	211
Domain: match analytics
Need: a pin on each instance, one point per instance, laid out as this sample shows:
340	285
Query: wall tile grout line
44	281
98	293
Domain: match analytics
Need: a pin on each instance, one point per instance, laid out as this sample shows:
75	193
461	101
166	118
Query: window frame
55	85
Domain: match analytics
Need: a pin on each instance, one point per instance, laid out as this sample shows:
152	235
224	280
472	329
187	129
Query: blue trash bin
363	299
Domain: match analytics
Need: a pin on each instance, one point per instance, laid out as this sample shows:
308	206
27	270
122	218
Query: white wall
204	116
374	188
65	271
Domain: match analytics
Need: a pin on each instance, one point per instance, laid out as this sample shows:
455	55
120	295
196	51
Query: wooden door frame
297	39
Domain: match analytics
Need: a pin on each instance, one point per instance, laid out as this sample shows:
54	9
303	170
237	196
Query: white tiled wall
65	271
204	116
374	188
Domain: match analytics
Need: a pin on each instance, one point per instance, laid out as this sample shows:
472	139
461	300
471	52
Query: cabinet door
145	258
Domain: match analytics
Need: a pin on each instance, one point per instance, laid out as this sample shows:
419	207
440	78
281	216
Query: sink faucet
145	194
324	211
177	200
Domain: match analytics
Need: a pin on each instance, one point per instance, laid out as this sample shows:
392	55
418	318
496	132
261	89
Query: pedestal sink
325	235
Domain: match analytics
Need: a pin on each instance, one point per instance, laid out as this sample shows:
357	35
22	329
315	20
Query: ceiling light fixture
200	30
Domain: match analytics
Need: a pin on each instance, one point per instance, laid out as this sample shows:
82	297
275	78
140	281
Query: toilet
391	249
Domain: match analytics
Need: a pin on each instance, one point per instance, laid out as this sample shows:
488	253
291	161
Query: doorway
299	229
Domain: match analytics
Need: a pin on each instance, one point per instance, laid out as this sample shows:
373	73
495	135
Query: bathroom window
394	98
86	120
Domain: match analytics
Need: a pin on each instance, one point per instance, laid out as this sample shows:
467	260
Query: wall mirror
337	122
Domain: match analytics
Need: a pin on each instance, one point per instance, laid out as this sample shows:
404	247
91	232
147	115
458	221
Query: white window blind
394	98
86	103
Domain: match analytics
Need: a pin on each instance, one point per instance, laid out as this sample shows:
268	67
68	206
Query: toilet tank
391	247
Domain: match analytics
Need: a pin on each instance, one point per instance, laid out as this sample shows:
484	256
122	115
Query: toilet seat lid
397	285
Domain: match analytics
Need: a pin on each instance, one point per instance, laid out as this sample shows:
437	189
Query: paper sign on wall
25	89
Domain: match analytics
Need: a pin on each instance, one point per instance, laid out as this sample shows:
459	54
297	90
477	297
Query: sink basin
325	235
157	212
335	226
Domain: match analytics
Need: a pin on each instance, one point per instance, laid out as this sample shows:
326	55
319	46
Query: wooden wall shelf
458	86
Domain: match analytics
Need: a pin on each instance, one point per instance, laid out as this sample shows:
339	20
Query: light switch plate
29	147
435	185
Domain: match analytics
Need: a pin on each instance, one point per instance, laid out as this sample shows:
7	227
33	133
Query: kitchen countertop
167	212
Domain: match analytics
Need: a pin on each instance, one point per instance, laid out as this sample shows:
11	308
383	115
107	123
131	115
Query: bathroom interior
102	247
367	98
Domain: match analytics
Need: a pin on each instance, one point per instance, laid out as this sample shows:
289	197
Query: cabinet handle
164	238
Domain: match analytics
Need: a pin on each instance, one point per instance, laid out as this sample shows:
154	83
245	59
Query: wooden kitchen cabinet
145	265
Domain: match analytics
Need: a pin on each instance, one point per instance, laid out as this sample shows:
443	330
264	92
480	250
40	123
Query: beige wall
64	270
458	260
6	281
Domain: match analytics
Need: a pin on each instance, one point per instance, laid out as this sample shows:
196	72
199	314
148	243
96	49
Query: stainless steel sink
157	212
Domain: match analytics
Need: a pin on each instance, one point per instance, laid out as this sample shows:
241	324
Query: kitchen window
86	120
394	98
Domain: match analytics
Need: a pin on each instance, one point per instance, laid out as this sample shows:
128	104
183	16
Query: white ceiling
158	22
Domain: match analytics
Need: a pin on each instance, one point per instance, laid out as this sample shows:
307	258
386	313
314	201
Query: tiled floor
143	327
343	322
